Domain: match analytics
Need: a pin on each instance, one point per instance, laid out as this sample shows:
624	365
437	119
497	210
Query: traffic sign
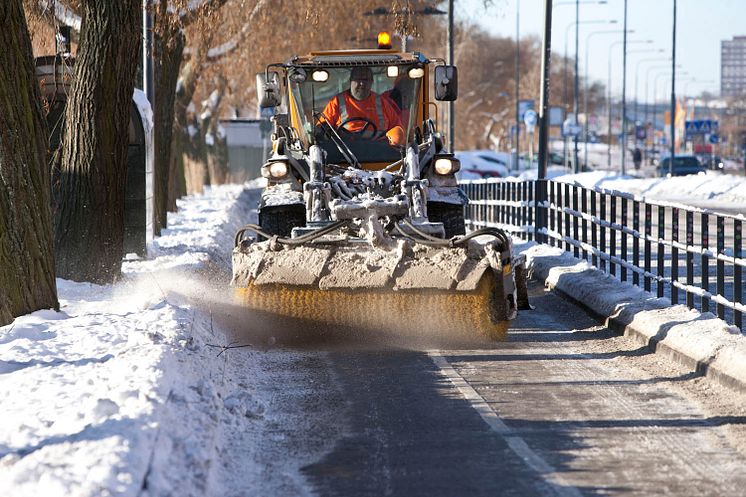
714	139
701	127
530	118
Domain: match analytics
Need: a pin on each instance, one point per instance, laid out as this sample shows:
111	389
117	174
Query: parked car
682	165
479	164
712	162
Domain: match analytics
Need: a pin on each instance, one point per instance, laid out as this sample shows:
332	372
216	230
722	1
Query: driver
363	112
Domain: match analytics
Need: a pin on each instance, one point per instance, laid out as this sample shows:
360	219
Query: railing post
575	228
565	204
647	244
705	261
720	267
514	209
737	272
689	257
594	227
612	235
583	209
674	255
623	235
602	241
541	211
661	252
636	241
555	221
531	212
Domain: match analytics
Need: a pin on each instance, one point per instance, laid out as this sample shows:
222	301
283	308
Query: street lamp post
541	184
647	93
585	91
655	93
608	88
564	62
637	72
673	110
516	161
451	109
576	96
624	90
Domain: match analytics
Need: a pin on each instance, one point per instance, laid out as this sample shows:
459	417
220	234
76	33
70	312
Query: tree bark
26	253
169	52
89	220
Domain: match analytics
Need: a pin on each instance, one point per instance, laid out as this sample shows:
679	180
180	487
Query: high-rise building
733	67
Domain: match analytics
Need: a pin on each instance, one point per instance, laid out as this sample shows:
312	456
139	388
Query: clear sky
701	26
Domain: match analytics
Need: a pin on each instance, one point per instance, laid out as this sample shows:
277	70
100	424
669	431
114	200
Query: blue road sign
701	127
714	139
530	117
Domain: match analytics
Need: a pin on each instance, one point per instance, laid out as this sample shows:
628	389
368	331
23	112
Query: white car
481	164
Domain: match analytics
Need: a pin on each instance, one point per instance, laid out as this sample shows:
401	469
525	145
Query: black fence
662	247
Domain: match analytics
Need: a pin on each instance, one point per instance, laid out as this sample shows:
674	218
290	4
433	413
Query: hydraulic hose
426	239
308	237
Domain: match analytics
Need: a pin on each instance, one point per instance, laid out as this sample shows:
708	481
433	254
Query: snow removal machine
361	223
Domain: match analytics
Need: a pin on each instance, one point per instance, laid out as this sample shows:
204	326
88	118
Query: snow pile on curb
698	340
712	188
106	396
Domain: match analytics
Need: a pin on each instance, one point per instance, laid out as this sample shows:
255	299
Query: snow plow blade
407	287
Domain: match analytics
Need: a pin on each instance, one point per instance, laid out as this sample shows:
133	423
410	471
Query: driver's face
361	80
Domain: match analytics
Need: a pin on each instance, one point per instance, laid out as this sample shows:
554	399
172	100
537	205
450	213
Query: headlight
275	170
447	165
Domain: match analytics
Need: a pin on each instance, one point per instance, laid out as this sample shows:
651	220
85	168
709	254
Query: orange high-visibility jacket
380	110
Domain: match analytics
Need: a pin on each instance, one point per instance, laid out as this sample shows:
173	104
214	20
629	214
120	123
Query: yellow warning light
384	40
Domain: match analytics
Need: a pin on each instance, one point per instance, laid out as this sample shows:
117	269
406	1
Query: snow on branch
62	13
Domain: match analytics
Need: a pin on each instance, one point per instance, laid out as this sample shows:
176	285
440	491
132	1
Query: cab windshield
366	141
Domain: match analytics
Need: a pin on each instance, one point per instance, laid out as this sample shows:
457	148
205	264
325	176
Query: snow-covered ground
711	190
123	392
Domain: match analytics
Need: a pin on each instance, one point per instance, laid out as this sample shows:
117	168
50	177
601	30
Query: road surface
563	407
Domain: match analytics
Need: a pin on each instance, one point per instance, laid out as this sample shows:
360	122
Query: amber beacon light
384	40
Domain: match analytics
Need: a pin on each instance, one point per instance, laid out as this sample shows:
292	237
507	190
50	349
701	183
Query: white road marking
513	439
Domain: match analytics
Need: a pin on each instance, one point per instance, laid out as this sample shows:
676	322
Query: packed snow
123	392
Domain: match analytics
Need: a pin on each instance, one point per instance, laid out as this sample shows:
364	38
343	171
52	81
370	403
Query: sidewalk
698	341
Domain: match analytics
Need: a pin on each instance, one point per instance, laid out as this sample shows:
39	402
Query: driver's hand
396	136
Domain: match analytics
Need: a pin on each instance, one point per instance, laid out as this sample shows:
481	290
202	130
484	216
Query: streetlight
516	163
674	296
655	98
608	87
585	91
575	97
637	71
647	93
637	98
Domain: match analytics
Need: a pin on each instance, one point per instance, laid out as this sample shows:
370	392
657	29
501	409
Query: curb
700	342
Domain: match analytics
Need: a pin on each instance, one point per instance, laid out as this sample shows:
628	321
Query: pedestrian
637	158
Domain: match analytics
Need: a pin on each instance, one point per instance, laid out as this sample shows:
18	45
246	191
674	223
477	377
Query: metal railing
644	242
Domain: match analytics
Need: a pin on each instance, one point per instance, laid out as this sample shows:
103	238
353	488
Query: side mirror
446	83
267	91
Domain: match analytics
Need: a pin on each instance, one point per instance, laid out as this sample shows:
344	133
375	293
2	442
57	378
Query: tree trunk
26	251
170	48
89	220
193	168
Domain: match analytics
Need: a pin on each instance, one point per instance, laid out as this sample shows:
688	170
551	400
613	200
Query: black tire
281	219
451	215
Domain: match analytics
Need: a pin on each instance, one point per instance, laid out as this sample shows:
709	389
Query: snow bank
712	188
700	341
120	387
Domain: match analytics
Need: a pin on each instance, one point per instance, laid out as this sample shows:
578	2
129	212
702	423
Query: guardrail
644	242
